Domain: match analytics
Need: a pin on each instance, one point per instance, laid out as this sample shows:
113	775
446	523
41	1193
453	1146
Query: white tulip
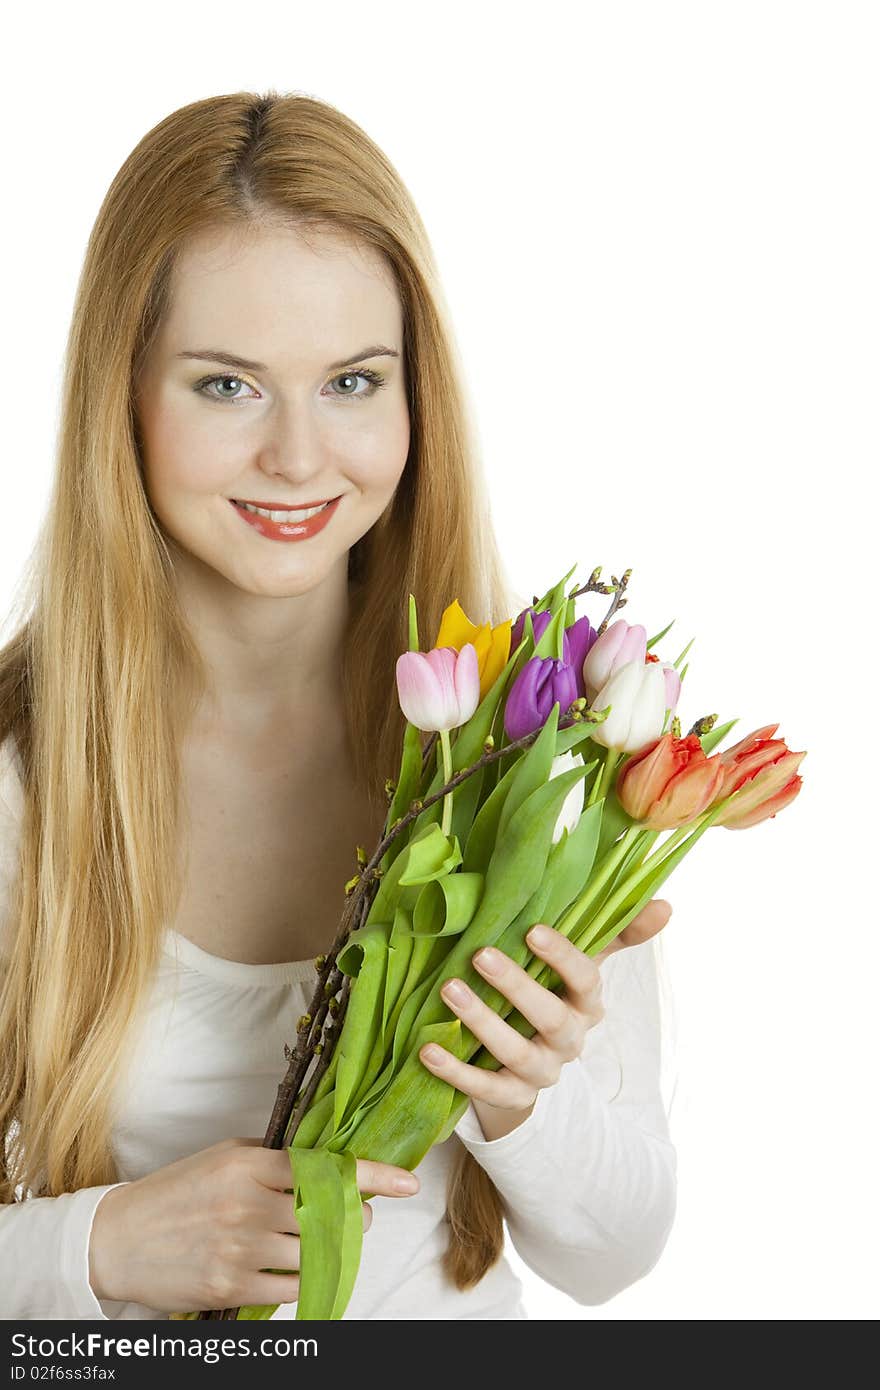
636	693
570	812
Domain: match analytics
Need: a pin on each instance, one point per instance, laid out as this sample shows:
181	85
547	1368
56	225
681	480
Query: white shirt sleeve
44	1249
588	1181
44	1241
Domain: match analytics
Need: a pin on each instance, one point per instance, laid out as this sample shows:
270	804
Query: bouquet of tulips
548	776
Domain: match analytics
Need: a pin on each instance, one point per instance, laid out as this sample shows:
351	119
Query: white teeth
286	515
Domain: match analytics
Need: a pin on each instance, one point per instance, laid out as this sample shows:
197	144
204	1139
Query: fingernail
456	991
539	936
407	1184
488	959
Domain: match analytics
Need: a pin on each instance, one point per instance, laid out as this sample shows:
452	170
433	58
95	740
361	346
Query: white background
657	226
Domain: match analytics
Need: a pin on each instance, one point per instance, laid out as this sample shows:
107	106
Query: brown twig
617	587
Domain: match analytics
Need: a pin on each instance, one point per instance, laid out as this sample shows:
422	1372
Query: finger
281	1253
533	1063
647	923
579	972
551	1016
506	1090
272	1168
384	1179
281	1218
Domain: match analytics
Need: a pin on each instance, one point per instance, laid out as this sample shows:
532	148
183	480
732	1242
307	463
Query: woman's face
305	422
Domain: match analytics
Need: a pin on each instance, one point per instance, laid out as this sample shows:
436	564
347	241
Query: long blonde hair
102	673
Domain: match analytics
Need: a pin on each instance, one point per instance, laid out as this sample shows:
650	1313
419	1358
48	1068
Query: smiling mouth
282	506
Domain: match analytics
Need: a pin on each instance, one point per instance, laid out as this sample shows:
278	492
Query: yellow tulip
492	644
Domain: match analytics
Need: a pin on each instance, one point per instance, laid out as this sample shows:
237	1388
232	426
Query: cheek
375	456
180	456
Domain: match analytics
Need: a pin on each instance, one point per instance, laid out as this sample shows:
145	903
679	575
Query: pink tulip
439	689
673	685
619	644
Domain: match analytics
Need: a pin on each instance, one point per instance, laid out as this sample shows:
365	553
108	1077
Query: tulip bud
622	642
541	683
439	689
539	622
577	641
636	693
760	773
669	783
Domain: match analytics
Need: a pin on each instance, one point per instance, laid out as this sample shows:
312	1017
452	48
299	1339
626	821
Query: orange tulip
668	783
762	771
492	644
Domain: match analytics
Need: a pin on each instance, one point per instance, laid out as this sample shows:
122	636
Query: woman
196	730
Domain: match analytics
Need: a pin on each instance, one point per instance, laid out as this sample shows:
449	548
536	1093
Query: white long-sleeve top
588	1181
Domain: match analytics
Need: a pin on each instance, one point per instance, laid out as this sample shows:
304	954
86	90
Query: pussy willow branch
617	587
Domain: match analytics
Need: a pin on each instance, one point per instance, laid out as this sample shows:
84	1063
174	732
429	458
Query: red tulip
669	783
762	771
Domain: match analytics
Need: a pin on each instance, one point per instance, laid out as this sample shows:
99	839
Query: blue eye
374	379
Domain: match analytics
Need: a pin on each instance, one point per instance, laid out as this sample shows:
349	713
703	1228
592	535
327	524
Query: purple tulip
541	683
539	622
576	641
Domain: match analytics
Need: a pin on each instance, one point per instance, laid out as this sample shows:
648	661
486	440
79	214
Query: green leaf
484	831
446	906
514	874
400	946
551	643
428	854
614	822
643	890
363	1014
658	636
459	1106
312	1124
407	790
432	856
533	768
414	1109
711	740
329	1213
554	596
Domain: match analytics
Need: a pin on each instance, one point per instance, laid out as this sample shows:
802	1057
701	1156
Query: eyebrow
230	359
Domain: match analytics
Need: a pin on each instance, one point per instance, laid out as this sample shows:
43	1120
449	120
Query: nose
291	446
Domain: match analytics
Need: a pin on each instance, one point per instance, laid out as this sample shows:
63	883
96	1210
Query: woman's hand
215	1229
503	1099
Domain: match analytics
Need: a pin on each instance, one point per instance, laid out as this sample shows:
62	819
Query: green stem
631	884
668	844
447	777
598	879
